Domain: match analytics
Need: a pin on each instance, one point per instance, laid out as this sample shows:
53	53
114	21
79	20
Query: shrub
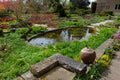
108	12
21	30
69	24
93	7
37	29
82	11
48	19
4	13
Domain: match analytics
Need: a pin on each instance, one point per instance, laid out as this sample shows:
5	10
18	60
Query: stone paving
112	73
100	23
59	73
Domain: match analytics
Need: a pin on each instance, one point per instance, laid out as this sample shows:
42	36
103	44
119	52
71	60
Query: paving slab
58	73
102	23
113	72
56	67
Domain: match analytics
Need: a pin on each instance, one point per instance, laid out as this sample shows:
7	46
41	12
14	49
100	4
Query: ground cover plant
81	20
100	65
97	68
18	55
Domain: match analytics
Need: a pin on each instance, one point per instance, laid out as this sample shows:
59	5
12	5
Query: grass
81	21
20	55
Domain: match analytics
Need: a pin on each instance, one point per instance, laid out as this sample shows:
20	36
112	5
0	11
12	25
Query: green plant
116	45
22	55
4	13
37	29
69	24
108	12
97	68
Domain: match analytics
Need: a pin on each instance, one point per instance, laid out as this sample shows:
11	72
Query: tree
34	5
93	7
18	8
81	4
58	7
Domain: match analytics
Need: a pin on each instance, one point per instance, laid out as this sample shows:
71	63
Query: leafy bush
116	45
82	11
37	29
21	30
106	13
44	19
69	24
4	13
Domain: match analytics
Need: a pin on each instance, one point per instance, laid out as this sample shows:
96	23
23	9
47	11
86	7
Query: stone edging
101	49
39	69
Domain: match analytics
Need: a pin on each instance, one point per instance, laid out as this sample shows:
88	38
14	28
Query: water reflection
62	35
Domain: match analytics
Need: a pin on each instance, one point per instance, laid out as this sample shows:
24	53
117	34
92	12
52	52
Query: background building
113	5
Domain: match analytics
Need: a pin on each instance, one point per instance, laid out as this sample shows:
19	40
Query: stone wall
103	5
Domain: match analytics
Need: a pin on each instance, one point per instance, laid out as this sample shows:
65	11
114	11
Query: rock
43	67
58	60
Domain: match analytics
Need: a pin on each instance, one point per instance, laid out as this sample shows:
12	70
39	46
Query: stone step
113	72
56	67
101	49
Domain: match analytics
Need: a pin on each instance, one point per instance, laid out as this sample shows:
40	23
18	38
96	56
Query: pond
61	35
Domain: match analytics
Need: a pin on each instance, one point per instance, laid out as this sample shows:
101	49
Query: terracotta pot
87	55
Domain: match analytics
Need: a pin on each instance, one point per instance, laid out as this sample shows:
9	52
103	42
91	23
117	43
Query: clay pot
87	55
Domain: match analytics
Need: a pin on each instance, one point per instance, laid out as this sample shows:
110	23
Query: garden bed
19	56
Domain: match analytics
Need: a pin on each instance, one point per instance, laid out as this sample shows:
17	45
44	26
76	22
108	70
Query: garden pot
87	55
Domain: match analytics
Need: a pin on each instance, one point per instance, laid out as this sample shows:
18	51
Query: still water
62	35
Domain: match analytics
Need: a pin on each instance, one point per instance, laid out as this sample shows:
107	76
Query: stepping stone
56	67
58	60
58	73
113	72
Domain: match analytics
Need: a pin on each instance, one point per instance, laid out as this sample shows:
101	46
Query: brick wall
103	5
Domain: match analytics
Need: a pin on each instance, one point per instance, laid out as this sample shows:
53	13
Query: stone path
59	73
113	71
92	25
100	23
